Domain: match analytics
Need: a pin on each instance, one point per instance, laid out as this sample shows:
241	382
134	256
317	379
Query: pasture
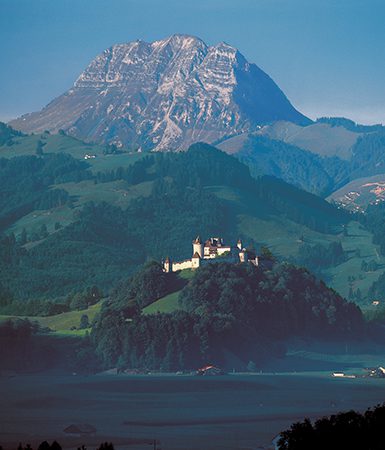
65	323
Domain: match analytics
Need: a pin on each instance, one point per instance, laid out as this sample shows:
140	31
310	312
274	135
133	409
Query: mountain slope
165	95
166	206
151	208
321	157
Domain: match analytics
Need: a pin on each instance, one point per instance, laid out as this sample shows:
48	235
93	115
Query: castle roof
214	242
197	240
196	255
167	260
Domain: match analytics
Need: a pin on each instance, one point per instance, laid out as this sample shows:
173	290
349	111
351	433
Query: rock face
165	95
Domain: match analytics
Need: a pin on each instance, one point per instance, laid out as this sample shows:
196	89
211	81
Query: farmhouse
212	250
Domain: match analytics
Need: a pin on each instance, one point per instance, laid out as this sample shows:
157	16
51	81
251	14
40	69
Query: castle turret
197	247
239	244
243	256
167	265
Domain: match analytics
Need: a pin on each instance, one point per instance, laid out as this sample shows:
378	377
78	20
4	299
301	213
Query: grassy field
169	303
186	412
117	193
54	143
105	163
166	304
63	323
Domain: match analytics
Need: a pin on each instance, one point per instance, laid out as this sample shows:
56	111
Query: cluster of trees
42	446
45	445
368	155
318	256
355	294
374	220
7	134
377	289
20	347
301	206
26	180
75	301
292	164
369	266
346	430
226	308
349	124
26	346
144	287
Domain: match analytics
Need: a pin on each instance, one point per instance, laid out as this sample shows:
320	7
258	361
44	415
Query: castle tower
195	260
242	256
239	244
197	247
167	265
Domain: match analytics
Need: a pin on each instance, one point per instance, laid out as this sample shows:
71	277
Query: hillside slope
321	157
115	220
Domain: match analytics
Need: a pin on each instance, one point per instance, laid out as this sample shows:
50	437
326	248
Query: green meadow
65	323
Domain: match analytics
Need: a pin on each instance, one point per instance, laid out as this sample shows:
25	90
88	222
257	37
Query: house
210	371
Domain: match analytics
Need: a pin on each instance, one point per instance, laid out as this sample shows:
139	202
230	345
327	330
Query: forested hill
314	157
170	199
227	312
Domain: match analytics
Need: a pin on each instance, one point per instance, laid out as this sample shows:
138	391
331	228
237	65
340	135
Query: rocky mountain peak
165	95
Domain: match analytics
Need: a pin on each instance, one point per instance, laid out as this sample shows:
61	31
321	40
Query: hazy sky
328	56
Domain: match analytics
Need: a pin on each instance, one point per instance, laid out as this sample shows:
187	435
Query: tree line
345	430
226	308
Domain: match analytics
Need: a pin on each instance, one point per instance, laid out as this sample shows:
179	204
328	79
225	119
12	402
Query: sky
327	56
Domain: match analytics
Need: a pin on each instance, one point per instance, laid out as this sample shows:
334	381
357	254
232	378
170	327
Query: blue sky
327	56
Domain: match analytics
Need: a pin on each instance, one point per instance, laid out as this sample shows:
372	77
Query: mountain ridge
165	95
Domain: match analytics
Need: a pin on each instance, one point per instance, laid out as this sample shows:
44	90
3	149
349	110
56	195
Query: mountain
165	95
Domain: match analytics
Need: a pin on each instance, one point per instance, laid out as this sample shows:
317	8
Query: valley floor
181	412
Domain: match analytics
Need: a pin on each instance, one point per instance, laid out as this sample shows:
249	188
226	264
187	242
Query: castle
212	250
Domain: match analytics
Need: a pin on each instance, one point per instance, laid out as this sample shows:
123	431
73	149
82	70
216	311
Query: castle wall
222	254
222	250
195	263
228	258
187	264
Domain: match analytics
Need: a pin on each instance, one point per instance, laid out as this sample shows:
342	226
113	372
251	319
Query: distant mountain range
165	95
